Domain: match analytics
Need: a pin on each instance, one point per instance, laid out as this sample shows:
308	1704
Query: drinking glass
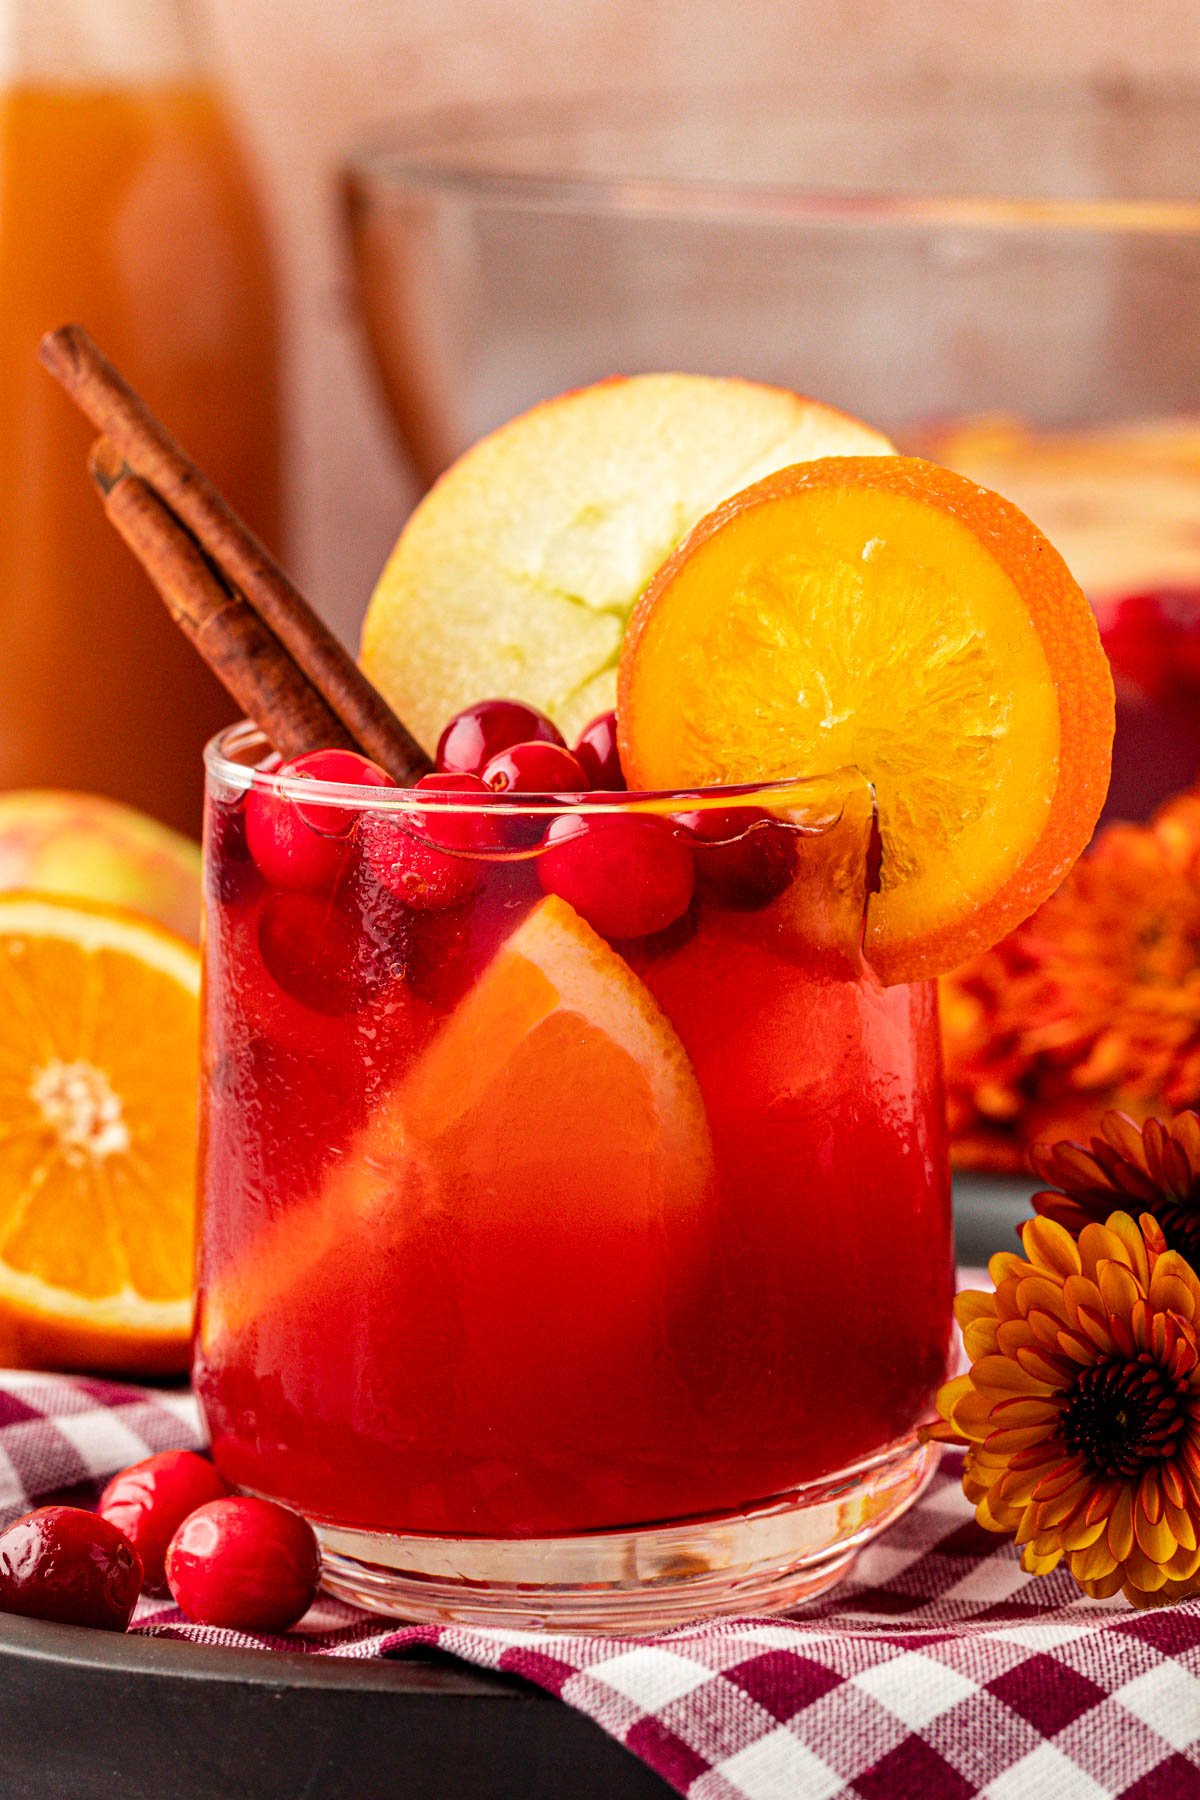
558	1275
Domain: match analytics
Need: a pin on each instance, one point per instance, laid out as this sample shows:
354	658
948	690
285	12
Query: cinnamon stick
243	653
246	566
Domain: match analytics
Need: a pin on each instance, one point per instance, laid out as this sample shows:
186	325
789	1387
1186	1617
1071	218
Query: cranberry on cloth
937	1668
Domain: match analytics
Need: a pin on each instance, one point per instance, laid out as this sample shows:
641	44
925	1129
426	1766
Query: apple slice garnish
517	572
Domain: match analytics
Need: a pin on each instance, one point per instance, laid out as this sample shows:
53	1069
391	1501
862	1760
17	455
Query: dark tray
90	1715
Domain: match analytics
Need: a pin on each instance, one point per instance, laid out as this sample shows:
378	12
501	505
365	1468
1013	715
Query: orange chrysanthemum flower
1152	1168
1081	1408
1093	1003
1113	991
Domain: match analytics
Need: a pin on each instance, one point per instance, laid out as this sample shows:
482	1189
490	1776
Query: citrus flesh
516	574
555	1102
98	1078
886	614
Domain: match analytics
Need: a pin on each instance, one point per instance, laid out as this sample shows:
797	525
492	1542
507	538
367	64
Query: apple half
516	574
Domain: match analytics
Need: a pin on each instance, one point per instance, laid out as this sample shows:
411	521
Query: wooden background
306	75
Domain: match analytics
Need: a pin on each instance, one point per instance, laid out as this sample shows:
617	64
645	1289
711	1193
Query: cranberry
534	768
628	875
65	1564
744	857
150	1500
344	766
413	856
243	1563
318	953
303	847
474	735
597	754
1153	642
445	952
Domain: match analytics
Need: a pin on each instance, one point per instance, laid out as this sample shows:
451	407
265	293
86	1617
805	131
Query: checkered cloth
936	1669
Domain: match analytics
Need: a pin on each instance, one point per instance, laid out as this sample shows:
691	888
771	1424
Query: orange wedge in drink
883	613
99	1035
556	1102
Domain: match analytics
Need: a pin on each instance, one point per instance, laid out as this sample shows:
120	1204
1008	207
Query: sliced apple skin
516	574
87	847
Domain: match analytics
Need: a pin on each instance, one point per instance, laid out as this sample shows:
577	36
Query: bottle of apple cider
125	205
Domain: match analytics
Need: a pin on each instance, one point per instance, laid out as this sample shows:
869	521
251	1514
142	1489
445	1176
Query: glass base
764	1560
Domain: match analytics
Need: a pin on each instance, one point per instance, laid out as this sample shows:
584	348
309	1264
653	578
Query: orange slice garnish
98	1074
556	1097
884	613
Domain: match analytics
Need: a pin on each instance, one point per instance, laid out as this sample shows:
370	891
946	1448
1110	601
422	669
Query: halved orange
556	1104
99	1053
885	613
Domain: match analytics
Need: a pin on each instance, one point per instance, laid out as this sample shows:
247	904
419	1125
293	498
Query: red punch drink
576	1234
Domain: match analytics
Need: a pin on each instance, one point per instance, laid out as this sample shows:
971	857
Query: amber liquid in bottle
127	208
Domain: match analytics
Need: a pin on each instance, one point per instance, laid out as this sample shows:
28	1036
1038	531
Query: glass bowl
1005	278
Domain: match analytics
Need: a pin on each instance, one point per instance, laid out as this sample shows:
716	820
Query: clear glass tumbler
576	1236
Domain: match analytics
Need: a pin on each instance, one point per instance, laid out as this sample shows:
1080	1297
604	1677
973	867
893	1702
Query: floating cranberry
301	846
65	1564
474	735
429	858
149	1501
244	1563
317	952
597	754
627	875
744	857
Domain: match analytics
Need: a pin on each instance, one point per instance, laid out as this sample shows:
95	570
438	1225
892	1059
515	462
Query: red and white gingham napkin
936	1669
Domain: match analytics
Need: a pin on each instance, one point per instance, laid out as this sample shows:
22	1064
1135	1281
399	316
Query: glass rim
825	793
471	150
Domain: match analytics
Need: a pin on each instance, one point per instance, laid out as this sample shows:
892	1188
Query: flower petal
1078	1534
1039	1363
1118	1288
1000	1375
1173	1287
1155	1537
1103	1587
1124	1228
1092	1563
1120	1526
1003	1442
974	1303
980	1338
1027	1409
1143	1571
1038	1294
1050	1247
